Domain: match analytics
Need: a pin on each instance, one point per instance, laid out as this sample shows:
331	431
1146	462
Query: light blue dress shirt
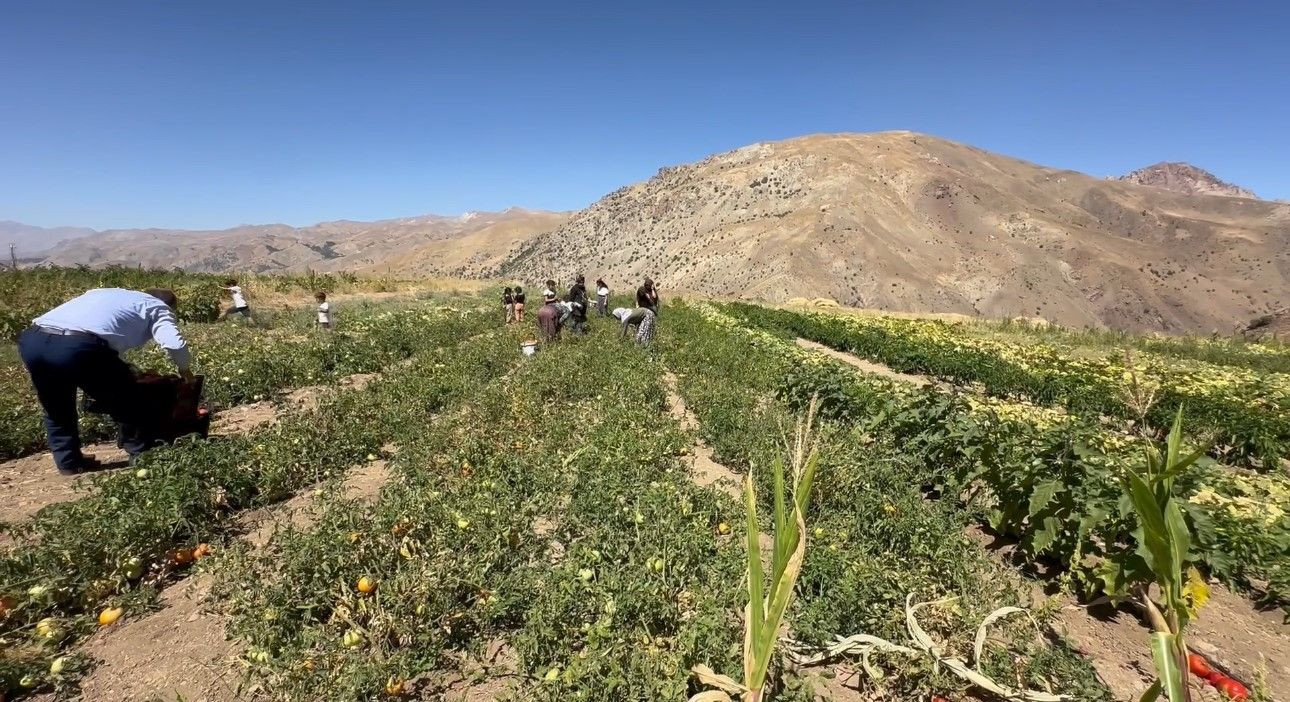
125	319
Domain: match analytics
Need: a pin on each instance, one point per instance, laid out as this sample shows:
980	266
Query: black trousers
58	366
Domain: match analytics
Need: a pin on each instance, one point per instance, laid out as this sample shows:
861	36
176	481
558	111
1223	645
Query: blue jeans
58	366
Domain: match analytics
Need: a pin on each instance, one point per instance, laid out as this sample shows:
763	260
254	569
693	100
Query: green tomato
48	628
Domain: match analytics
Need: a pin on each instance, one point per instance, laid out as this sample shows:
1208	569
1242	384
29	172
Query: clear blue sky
182	113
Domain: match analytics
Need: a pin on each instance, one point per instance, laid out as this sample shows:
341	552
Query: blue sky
192	114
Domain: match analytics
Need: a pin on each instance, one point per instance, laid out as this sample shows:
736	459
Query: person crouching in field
548	318
641	318
518	297
239	300
324	310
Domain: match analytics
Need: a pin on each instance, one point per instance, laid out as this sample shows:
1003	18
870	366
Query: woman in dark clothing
647	296
578	298
519	304
508	304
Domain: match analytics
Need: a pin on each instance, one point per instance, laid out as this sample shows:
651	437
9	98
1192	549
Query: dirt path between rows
1233	634
706	472
703	468
181	650
31	483
863	364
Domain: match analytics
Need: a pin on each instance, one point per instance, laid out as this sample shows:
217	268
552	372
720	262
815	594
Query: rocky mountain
908	222
397	244
893	220
29	241
1187	179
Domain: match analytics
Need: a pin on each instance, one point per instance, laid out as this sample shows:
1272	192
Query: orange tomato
180	556
203	550
109	616
366	585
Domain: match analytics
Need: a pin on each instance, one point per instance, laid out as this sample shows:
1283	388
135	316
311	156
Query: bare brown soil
703	468
30	483
180	651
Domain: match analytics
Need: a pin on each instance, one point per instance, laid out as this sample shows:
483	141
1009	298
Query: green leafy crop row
1052	483
550	513
241	364
874	538
1247	413
118	544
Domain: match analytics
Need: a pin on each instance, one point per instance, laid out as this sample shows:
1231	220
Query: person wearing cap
78	345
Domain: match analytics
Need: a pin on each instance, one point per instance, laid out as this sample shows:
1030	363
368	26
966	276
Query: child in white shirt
239	300
324	310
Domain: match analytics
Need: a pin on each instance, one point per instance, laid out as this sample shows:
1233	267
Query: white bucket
528	348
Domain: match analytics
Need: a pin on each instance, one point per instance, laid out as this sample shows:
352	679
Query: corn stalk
768	601
1165	543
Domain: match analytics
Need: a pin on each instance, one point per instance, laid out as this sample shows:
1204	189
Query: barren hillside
908	222
329	246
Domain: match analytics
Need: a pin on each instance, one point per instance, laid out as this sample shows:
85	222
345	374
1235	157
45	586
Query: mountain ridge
892	220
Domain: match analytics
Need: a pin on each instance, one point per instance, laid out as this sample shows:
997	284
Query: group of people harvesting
571	309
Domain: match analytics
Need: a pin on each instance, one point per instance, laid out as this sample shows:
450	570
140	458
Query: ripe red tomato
1231	689
1198	665
938	698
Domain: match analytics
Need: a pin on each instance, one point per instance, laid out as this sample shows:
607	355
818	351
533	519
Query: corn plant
1165	542
767	602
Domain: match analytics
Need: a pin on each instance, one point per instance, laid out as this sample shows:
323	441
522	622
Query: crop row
1050	480
550	516
1247	413
118	544
874	536
1267	356
243	364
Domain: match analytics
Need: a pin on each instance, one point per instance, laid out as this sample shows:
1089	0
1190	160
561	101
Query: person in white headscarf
641	318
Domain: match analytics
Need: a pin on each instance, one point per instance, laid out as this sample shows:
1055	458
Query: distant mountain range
892	220
29	241
328	246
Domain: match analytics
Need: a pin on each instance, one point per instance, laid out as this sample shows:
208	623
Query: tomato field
573	525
